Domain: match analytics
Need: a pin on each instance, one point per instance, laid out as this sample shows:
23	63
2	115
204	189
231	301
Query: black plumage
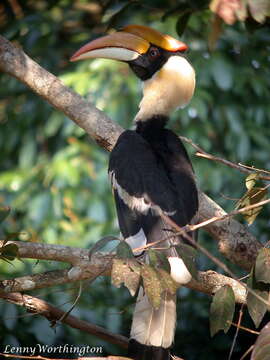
152	163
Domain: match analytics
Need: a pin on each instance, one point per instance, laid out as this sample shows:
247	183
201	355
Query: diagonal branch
53	314
16	63
234	239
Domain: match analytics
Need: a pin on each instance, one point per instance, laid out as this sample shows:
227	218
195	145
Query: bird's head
157	59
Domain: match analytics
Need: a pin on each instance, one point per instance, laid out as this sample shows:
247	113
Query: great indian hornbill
150	171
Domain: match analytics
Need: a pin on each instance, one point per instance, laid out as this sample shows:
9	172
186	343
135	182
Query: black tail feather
139	351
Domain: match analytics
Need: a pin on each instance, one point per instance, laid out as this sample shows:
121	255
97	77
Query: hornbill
150	171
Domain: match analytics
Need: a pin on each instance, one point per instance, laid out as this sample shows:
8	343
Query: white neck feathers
170	87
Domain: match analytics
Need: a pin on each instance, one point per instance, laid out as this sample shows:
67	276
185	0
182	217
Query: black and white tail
146	182
152	330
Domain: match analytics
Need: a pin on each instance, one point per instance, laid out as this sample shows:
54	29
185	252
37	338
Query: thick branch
16	63
39	251
53	314
235	242
208	282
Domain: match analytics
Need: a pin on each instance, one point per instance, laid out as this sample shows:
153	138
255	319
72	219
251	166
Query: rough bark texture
16	63
235	242
53	314
100	265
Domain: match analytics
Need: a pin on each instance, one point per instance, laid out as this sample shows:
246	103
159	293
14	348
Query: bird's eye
154	53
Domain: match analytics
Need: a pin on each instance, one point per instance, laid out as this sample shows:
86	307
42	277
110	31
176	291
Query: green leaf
158	259
262	266
163	261
152	285
182	22
261	349
256	307
4	212
188	255
101	244
167	282
222	310
124	251
153	259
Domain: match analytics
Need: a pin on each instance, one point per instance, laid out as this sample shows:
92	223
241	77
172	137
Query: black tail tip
138	351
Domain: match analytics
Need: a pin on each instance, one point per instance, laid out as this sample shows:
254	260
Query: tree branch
240	167
235	241
16	63
53	314
100	265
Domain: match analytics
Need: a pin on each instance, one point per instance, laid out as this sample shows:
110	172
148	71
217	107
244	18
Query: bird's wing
145	184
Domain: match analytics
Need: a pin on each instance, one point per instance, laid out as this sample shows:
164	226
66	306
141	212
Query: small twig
182	232
252	168
225	216
188	228
245	329
236	332
247	352
62	318
243	168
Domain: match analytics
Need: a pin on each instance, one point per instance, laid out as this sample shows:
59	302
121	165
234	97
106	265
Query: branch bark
235	241
53	314
100	265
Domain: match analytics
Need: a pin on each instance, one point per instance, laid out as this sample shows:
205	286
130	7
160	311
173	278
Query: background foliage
55	178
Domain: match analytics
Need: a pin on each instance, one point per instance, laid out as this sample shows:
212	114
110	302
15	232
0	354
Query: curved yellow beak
155	37
128	44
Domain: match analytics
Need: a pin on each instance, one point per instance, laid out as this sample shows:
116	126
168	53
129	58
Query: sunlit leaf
127	273
119	271
251	180
222	310
230	11
252	197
